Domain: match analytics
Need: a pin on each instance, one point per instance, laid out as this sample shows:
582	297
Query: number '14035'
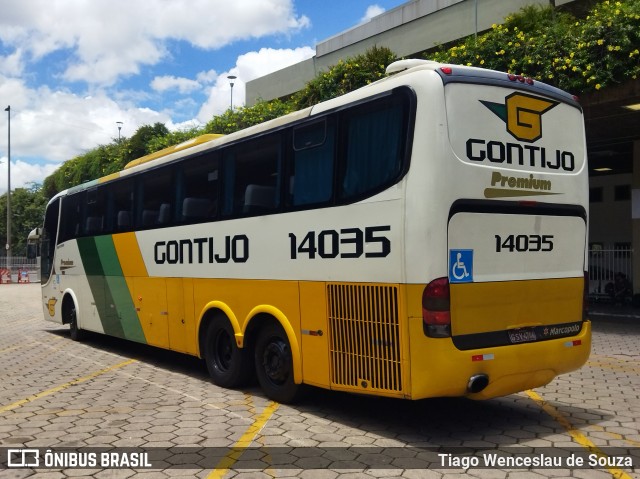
523	243
346	243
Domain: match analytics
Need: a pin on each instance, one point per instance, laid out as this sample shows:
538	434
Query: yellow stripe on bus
128	250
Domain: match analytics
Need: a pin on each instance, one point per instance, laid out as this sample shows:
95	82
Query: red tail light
436	316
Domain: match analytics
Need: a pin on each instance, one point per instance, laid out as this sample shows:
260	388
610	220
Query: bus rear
503	309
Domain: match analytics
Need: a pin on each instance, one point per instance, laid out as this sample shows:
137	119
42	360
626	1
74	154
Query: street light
119	123
8	246
231	78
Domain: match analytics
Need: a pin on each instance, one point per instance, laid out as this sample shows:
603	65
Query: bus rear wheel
274	364
228	365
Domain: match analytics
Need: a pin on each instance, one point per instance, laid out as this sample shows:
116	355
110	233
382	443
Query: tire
71	317
274	365
228	365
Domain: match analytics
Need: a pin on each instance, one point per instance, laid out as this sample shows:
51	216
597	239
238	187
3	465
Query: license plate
523	335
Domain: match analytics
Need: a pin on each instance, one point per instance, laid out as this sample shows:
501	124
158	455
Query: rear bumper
439	369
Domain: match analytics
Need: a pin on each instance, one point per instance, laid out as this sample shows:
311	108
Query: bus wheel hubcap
275	361
223	351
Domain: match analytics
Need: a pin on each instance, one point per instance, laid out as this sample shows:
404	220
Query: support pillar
635	217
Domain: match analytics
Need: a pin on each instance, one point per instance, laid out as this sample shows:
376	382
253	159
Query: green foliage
101	161
27	209
346	76
137	145
244	117
160	142
577	55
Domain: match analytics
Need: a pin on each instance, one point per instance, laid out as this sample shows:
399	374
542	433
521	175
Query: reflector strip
570	344
312	333
482	357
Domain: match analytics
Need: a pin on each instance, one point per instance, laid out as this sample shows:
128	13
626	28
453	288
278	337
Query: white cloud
207	77
372	11
108	40
95	44
169	82
59	125
23	173
248	67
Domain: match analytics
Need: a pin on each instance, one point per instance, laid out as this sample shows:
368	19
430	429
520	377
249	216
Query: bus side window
120	206
198	188
154	190
73	207
252	177
374	149
94	213
313	159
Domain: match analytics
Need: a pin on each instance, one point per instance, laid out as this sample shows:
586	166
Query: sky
71	69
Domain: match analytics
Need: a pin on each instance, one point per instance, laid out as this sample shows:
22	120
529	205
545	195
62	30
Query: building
612	115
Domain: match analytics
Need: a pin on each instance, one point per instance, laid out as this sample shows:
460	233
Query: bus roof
173	149
465	74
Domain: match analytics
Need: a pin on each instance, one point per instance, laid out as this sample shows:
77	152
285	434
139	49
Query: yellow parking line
64	386
227	462
615	365
615	435
577	436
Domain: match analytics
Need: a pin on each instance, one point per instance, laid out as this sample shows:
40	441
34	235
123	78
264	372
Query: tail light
436	316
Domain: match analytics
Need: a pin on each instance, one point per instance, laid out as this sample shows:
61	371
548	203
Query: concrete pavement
107	393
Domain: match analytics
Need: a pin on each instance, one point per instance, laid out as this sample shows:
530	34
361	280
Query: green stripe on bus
101	293
109	288
119	290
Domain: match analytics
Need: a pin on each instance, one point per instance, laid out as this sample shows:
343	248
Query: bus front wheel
274	364
71	317
228	365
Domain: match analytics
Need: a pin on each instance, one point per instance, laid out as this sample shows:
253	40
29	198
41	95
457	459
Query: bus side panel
110	296
182	324
150	296
314	338
70	278
248	298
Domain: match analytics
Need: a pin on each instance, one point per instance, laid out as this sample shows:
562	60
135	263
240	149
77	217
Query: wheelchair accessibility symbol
460	265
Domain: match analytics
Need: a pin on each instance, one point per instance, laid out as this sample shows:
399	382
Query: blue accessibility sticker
460	265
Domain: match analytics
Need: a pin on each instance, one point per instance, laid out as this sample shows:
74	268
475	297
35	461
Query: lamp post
119	124
8	245
231	78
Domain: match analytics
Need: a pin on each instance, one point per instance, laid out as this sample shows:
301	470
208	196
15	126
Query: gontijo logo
522	114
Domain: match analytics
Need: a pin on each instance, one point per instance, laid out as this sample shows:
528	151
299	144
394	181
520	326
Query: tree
27	212
138	144
244	117
347	75
574	54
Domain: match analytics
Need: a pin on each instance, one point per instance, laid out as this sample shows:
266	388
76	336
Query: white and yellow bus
422	236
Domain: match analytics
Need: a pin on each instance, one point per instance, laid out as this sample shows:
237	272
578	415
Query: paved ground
55	393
